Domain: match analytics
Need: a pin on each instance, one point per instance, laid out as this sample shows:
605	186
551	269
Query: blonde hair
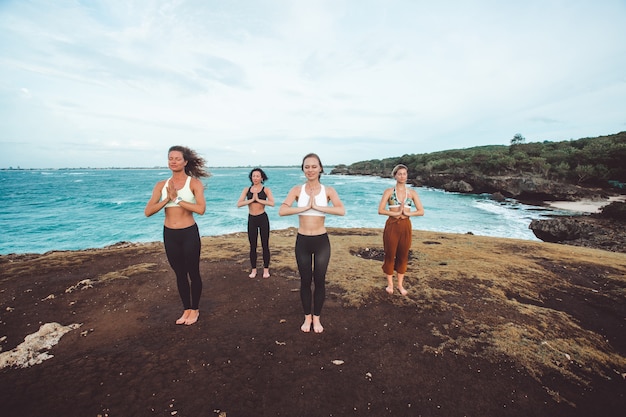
397	167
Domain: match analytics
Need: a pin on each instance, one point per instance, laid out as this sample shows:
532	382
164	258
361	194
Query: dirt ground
462	343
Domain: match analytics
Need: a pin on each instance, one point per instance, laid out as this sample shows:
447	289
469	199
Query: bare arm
419	209
242	199
286	208
155	203
199	207
270	198
382	206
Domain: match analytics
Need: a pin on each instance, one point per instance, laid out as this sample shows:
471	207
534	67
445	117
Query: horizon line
154	167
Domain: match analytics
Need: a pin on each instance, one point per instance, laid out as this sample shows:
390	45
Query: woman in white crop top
312	243
181	196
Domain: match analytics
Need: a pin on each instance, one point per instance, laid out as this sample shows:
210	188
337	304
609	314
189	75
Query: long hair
263	176
313	155
195	163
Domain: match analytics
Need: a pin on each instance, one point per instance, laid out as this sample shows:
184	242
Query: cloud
258	82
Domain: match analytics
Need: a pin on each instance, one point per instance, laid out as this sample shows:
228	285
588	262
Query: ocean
73	209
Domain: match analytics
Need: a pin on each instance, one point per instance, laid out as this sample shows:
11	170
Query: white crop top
320	199
185	193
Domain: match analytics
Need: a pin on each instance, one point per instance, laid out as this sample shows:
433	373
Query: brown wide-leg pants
397	242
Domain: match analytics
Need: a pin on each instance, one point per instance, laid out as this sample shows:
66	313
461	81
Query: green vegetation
599	161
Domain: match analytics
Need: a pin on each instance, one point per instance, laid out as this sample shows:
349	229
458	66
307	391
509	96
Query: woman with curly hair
256	197
181	196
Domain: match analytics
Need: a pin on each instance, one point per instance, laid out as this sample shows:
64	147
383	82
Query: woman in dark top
256	197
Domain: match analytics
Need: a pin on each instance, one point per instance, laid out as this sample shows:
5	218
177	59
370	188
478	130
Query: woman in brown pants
396	203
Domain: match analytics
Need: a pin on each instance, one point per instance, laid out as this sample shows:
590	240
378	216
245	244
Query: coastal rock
340	169
531	188
592	231
560	229
606	230
367	169
458	187
497	196
525	188
616	211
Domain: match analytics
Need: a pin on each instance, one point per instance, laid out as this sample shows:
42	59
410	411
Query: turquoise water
47	210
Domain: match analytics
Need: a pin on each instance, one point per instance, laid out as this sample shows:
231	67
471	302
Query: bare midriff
311	225
178	218
256	208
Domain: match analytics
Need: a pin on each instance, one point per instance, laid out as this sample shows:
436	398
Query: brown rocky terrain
491	327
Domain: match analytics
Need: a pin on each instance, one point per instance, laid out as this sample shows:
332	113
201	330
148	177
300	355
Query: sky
115	83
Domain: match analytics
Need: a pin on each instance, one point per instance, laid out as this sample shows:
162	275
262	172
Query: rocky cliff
523	188
606	230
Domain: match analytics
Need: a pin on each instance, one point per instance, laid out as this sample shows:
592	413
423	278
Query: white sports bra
185	193
320	199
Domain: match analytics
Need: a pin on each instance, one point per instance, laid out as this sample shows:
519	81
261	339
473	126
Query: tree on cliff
594	162
518	139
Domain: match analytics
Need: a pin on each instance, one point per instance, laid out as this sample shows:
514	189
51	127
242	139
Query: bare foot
266	273
403	291
306	326
184	317
317	326
253	273
389	289
193	317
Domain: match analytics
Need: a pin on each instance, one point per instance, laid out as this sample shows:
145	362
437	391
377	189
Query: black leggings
182	247
259	224
312	256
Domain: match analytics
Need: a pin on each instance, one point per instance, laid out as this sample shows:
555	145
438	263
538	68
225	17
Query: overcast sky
114	83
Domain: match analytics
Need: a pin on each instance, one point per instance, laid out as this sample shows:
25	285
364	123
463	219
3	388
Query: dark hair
313	155
263	176
195	163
